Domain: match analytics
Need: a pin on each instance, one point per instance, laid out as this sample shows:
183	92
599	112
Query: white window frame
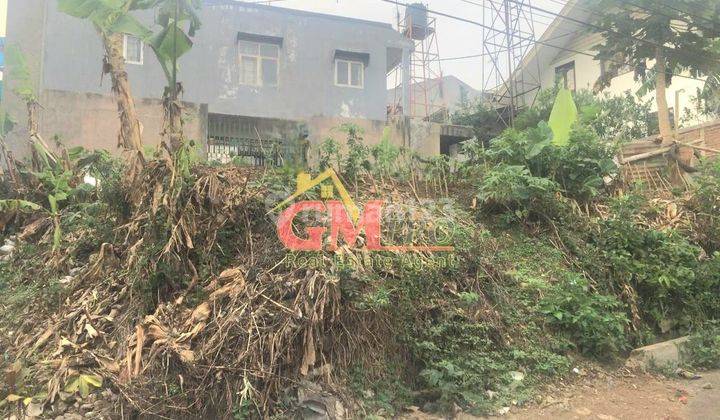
258	63
349	75
142	50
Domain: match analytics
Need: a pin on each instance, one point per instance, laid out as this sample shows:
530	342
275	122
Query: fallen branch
701	148
645	155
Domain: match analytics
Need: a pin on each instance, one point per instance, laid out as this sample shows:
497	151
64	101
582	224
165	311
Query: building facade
566	56
256	75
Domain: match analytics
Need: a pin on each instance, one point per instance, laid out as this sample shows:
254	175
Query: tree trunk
666	133
173	124
661	99
129	137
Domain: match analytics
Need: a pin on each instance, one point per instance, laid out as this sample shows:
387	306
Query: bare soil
631	396
620	395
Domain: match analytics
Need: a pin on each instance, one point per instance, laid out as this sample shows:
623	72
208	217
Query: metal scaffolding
506	48
425	96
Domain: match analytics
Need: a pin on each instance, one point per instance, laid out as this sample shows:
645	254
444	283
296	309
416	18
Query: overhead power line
601	29
464	57
689	13
549	20
540	42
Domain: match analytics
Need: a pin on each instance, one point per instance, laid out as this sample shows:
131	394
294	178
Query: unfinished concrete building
258	77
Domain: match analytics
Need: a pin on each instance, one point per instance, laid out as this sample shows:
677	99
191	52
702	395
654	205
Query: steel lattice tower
506	49
425	90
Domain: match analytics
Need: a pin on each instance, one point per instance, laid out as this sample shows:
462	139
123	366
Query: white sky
455	39
3	17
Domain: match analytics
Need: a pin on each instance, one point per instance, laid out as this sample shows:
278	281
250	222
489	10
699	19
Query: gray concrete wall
90	120
210	71
25	30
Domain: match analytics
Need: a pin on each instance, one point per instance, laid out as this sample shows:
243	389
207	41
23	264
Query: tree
112	19
676	35
23	88
169	44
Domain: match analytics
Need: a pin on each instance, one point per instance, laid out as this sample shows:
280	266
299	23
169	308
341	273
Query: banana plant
112	19
170	43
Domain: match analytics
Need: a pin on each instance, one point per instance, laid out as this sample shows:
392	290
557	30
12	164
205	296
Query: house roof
554	40
560	31
296	12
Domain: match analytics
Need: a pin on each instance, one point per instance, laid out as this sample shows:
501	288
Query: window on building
566	75
259	63
133	49
606	66
349	73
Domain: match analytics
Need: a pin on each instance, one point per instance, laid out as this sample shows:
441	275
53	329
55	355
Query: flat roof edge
296	12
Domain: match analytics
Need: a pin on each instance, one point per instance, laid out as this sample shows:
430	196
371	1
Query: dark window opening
565	74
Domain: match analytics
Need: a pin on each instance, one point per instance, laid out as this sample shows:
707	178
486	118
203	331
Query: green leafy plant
594	322
386	155
330	155
705	202
358	153
83	384
673	286
703	348
633	36
515	189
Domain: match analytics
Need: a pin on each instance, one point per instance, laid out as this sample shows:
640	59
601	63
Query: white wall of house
588	70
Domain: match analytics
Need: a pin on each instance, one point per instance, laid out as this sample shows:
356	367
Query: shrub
581	165
703	348
673	286
594	322
330	155
386	155
356	160
516	189
577	168
705	203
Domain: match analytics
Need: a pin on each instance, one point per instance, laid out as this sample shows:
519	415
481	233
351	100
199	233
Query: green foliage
384	397
461	359
673	286
632	36
582	165
19	72
516	189
622	117
703	348
594	322
358	153
109	17
386	155
15	205
329	154
528	169
705	203
172	41
486	122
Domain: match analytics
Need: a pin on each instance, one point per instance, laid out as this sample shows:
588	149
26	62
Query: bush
673	287
594	322
527	169
705	203
516	189
703	348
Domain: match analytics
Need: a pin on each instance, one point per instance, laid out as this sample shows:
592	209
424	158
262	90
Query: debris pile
173	296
